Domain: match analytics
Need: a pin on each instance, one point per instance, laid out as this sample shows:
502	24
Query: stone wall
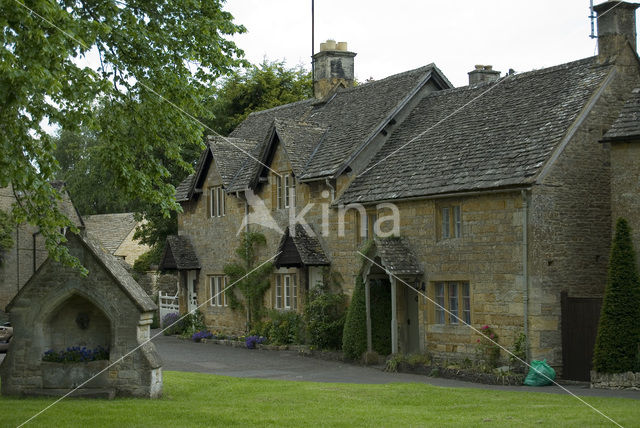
36	316
570	222
625	187
628	380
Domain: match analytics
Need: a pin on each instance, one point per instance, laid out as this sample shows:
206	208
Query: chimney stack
616	27
333	66
483	73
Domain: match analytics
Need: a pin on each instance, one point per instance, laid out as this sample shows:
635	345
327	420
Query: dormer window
285	191
217	202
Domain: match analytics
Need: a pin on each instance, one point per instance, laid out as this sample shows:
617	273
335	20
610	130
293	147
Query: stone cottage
58	308
494	201
21	261
115	232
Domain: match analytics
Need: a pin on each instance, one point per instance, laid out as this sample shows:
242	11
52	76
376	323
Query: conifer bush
616	348
354	335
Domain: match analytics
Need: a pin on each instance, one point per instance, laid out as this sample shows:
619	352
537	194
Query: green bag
540	374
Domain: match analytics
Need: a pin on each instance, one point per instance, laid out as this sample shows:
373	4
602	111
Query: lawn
201	400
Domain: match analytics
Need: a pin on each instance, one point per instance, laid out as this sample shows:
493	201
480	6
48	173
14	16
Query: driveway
185	355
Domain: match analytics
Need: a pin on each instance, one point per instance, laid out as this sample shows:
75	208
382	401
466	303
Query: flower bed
76	354
467	375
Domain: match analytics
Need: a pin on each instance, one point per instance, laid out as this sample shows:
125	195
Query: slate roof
301	249
110	229
349	118
397	257
179	254
483	136
627	125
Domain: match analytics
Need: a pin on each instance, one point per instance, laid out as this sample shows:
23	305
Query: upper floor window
286	292
452	302
365	225
450	222
285	191
217	202
217	293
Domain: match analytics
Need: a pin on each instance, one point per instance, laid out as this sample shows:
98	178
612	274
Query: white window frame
446	223
457	221
289	191
441	303
286	292
217	201
279	198
217	285
451	221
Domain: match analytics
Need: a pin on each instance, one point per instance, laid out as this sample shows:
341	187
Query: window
217	203
369	220
450	222
455	297
217	285
285	191
286	293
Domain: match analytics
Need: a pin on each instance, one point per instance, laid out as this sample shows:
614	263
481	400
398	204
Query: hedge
354	335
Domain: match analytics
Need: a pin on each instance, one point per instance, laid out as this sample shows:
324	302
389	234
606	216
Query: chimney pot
483	73
332	67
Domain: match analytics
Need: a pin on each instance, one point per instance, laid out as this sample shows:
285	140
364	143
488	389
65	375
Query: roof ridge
423	68
280	107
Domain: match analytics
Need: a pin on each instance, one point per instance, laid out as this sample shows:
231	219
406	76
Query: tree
618	339
157	61
258	87
354	336
251	281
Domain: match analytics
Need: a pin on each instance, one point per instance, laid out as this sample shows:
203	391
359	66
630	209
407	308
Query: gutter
525	270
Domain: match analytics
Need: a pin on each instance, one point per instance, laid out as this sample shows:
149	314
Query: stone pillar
367	296
394	317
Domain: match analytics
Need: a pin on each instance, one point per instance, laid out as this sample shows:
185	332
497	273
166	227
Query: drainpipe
333	190
35	264
525	269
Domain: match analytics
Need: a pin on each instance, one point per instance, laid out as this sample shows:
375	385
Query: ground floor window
452	302
217	295
286	292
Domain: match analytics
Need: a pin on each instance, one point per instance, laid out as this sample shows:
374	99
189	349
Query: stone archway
76	321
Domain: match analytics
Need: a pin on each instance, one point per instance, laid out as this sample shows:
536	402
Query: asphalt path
185	355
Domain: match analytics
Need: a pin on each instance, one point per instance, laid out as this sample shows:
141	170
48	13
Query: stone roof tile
627	125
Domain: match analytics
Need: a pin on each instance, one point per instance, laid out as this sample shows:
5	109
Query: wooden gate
580	316
167	304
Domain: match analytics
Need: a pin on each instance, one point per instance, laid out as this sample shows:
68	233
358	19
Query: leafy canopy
258	87
157	60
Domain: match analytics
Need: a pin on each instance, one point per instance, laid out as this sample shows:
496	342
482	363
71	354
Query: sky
390	37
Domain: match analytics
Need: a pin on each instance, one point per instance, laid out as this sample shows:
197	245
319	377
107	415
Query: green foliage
151	257
252	284
283	328
158	61
324	315
354	335
618	338
255	88
380	295
519	350
6	232
193	322
487	351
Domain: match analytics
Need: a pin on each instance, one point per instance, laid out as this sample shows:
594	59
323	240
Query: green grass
194	400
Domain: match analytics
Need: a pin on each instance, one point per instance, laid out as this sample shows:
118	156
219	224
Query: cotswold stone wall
625	187
570	221
45	316
18	262
628	380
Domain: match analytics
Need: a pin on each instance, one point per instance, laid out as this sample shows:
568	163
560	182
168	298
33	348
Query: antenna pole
592	17
313	44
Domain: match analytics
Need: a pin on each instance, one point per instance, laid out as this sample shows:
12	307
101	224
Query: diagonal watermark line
150	89
488	338
121	359
432	126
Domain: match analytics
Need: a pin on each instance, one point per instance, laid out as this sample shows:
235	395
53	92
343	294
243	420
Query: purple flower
252	341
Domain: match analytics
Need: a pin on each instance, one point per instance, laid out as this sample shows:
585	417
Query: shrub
152	257
354	335
199	335
6	230
286	328
172	324
616	348
380	294
325	315
488	352
519	350
252	341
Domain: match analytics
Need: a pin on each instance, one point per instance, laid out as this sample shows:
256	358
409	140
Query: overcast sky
394	36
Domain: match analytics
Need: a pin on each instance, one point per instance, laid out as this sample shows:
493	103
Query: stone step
100	393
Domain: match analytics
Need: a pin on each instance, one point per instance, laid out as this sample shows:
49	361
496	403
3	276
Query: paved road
185	355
